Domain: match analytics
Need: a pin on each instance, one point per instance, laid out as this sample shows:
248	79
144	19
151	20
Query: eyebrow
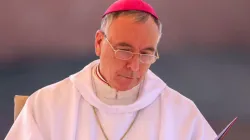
124	44
127	45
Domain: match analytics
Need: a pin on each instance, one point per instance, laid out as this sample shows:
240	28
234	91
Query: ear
98	42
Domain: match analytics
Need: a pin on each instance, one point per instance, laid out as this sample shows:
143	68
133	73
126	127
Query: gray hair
139	16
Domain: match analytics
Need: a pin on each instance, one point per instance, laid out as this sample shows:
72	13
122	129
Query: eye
147	52
124	49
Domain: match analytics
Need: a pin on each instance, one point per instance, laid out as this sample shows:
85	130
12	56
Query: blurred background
204	52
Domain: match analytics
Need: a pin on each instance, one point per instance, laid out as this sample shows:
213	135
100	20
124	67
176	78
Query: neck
110	95
101	77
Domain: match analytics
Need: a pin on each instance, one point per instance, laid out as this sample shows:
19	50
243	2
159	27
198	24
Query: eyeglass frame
116	50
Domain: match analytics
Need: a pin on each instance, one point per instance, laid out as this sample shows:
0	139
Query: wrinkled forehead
127	29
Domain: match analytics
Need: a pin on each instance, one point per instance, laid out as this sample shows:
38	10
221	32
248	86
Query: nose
134	63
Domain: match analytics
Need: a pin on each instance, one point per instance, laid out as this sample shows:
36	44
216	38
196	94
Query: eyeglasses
126	55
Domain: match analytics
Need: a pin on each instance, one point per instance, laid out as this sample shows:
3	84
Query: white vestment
64	111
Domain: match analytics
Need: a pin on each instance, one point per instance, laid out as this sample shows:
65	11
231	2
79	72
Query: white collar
152	88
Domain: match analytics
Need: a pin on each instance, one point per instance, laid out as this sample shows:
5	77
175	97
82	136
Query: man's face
126	34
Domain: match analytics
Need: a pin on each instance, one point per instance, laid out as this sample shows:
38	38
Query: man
116	97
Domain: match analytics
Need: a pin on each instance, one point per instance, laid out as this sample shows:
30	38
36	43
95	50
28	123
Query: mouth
128	77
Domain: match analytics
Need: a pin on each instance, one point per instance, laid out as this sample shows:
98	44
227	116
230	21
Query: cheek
106	57
144	68
111	65
118	66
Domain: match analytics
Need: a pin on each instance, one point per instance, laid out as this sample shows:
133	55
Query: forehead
138	34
